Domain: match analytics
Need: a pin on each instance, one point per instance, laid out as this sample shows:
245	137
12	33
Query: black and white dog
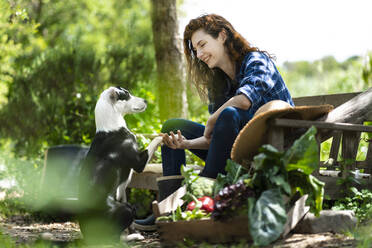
108	166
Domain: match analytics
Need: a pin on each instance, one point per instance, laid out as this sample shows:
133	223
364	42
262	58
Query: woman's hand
175	141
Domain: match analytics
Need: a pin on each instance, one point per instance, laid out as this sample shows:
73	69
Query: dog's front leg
142	158
153	146
121	194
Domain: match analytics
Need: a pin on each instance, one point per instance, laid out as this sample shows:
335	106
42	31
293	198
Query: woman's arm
198	143
238	101
179	142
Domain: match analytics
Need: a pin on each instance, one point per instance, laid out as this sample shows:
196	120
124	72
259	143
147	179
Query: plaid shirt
259	80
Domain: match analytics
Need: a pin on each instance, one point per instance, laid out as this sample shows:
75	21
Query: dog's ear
123	95
113	95
119	93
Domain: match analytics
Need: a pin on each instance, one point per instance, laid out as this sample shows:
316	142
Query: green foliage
57	107
196	185
288	173
363	235
308	184
234	173
269	171
367	70
57	77
360	203
142	200
267	217
25	173
178	215
325	76
303	155
301	160
276	174
16	29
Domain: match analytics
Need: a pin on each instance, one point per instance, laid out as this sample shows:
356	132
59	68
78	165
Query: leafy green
266	217
308	184
189	174
360	203
300	161
291	171
269	171
303	155
177	215
196	185
275	174
234	173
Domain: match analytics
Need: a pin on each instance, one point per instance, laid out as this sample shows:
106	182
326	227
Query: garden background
57	56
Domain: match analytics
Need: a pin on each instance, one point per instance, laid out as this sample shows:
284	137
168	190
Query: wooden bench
346	138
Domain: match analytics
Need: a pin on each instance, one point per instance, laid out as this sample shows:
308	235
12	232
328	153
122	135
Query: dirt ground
24	230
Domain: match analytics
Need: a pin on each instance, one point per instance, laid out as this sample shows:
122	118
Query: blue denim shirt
259	80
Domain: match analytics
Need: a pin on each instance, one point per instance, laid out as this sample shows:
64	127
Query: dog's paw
158	140
131	237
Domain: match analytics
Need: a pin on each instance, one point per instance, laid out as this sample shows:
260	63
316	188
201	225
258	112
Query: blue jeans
230	121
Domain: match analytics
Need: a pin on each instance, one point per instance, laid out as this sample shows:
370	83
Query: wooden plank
276	137
282	122
144	180
333	99
295	214
205	230
335	148
356	110
350	142
172	202
316	171
233	229
368	160
336	165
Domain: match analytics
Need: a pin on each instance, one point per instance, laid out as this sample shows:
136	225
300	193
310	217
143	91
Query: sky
294	30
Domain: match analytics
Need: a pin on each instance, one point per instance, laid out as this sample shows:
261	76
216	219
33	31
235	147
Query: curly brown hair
237	47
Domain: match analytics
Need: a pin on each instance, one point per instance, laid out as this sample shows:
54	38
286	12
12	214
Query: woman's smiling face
208	49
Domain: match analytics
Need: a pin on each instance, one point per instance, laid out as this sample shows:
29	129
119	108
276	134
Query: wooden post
335	148
276	137
369	158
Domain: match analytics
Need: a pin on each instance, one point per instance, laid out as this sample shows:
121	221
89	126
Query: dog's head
113	104
123	101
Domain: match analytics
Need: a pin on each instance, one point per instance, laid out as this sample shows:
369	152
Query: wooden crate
204	230
232	230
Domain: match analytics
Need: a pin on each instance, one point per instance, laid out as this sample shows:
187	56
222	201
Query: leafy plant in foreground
274	175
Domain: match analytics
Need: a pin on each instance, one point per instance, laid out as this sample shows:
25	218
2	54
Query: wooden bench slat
282	122
368	160
333	99
335	148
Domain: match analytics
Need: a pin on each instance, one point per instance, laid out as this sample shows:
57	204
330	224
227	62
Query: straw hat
253	134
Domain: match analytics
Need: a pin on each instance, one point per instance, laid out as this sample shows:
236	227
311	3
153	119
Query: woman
237	79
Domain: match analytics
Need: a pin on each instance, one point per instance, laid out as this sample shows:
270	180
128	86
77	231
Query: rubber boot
167	185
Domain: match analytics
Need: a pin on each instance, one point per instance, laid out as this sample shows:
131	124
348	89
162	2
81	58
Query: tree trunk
170	85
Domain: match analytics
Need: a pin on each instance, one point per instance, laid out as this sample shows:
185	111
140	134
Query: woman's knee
229	115
171	125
